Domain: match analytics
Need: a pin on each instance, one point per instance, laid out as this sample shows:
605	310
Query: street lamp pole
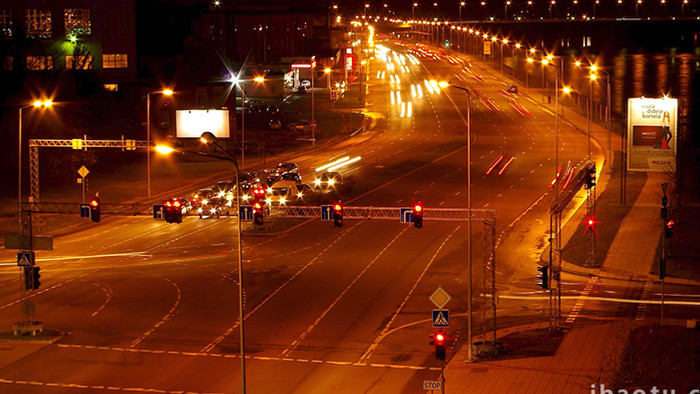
166	92
36	104
470	355
209	138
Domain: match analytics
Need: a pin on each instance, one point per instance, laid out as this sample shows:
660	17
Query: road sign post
440	318
406	215
25	259
83	171
246	213
326	212
158	211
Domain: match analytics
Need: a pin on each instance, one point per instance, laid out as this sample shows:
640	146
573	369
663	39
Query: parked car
274	124
306	84
299	125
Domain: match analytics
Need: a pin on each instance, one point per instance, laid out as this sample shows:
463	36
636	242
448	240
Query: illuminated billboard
191	123
652	134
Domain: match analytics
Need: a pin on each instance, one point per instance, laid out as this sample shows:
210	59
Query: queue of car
280	185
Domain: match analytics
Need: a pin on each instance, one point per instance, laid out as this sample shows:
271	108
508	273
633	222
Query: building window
78	62
39	23
39	63
114	60
111	87
8	63
6	23
77	21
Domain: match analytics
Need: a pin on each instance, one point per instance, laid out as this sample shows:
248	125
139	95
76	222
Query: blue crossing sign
158	211
245	212
406	215
84	210
25	259
326	212
441	318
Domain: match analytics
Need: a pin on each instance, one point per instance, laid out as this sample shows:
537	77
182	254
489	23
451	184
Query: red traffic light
257	206
94	203
418	209
176	203
670	224
167	203
439	338
337	207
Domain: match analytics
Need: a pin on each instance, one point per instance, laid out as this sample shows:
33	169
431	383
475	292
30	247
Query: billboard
652	134
191	123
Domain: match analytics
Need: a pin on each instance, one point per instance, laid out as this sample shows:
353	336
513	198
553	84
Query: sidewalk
586	349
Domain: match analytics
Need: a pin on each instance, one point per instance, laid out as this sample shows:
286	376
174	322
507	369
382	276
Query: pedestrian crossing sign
441	318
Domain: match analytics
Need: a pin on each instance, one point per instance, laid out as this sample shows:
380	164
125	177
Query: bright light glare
168	92
334	163
409	109
343	164
164	149
259	79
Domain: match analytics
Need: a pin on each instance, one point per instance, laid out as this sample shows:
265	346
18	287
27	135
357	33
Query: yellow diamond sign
440	297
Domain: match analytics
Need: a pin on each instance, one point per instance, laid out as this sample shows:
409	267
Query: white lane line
341	295
385	330
581	300
221	337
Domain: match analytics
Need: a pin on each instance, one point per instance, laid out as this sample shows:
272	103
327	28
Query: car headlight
221	194
200	210
205	202
300	195
317	182
269	190
268	201
331	182
245	197
283	200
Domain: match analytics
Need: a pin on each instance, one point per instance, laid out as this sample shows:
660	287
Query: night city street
349	197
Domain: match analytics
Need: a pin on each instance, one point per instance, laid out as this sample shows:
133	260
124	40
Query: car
306	84
285	167
281	193
274	124
301	89
199	197
299	125
512	89
220	188
328	180
291	176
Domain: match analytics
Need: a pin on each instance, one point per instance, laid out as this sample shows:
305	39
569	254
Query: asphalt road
150	306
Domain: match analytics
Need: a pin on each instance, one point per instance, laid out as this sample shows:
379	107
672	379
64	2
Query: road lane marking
341	295
642	308
581	300
256	358
165	318
385	330
228	331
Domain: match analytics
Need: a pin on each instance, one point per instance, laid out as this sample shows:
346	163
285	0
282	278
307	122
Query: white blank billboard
652	134
191	123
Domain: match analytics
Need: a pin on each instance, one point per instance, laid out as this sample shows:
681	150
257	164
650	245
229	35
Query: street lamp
413	11
35	104
165	92
327	71
568	90
209	139
506	11
461	4
470	356
235	80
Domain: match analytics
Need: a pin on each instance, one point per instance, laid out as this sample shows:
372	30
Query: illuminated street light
165	92
443	84
36	104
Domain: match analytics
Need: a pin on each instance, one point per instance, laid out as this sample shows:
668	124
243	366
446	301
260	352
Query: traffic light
543	276
590	178
35	277
95	209
669	228
418	215
664	207
173	211
258	213
590	223
338	214
438	340
31	278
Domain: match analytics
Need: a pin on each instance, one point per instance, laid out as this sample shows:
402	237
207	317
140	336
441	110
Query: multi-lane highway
153	307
